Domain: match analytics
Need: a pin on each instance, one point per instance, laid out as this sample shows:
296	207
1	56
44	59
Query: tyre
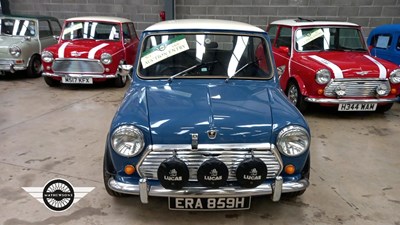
34	67
51	82
304	174
106	177
120	81
384	108
295	97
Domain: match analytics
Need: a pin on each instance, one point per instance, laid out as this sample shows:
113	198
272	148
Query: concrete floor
48	133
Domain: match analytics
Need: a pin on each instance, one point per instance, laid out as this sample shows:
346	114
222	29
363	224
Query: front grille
356	87
232	157
78	66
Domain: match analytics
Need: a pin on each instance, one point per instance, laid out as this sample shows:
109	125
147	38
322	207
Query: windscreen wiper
190	69
242	68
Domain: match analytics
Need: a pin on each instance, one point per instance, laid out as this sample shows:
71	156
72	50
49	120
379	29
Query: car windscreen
17	27
329	38
201	55
91	30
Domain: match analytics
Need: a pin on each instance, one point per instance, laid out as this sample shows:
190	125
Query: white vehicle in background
22	39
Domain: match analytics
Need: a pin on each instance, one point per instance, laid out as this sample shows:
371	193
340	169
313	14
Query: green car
22	40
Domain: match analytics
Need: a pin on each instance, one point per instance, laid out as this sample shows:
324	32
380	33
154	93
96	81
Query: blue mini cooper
205	122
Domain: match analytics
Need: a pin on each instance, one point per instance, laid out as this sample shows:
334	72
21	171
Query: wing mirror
125	70
56	37
284	49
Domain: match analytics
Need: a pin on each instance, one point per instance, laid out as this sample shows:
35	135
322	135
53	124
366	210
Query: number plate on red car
77	80
228	203
357	107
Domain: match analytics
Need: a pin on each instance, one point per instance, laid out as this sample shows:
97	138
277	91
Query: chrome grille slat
356	87
87	66
151	160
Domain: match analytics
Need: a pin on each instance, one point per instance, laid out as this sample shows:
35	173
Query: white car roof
292	22
100	18
203	24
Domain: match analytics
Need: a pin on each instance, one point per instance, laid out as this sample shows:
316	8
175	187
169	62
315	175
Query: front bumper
349	101
12	67
144	190
100	76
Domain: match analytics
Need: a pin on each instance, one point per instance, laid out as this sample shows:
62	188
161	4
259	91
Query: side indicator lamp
290	169
129	169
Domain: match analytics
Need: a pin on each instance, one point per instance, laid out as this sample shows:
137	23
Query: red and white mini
90	49
327	62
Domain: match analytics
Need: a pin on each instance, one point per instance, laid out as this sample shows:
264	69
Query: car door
130	42
382	46
45	35
282	48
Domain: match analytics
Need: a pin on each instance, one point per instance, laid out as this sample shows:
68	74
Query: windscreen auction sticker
164	50
310	37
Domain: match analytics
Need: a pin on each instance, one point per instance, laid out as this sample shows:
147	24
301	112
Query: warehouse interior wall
367	13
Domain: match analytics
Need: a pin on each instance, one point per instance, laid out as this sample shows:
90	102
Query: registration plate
358	107
228	203
77	80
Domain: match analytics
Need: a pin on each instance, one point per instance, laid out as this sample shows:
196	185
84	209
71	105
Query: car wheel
51	82
304	174
120	81
295	97
34	68
384	108
106	177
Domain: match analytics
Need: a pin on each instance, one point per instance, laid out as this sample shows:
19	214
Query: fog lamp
129	169
290	169
340	90
382	90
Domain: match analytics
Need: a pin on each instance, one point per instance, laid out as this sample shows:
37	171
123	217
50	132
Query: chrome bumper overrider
145	190
108	76
350	101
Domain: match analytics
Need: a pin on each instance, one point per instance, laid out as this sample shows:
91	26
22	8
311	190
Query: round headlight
106	58
395	76
14	50
47	56
293	140
323	76
127	140
382	90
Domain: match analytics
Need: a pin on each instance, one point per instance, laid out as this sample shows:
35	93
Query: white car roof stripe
382	69
93	51
337	72
61	50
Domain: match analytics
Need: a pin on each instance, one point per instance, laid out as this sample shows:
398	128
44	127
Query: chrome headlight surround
395	76
293	140
14	50
323	76
106	58
127	141
47	56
